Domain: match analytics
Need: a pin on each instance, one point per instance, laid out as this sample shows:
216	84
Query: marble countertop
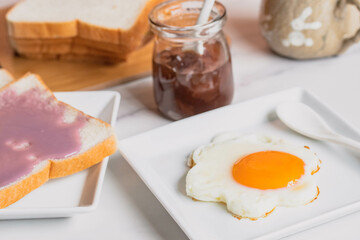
128	210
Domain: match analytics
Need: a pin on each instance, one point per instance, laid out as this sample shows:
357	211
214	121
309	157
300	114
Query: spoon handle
205	12
350	143
202	19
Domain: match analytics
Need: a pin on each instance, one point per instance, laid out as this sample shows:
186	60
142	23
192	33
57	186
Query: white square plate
159	158
79	192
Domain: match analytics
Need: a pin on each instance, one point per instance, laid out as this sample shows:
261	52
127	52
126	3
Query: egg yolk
268	170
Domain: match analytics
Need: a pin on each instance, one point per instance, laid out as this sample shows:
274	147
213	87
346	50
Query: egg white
210	178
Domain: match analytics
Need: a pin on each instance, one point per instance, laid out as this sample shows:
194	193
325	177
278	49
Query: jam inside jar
192	71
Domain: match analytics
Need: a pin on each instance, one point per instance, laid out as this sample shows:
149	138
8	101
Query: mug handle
350	41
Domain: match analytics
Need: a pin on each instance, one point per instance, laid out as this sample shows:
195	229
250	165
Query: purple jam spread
32	129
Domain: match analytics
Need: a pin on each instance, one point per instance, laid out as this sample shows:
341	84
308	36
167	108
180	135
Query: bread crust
62	49
62	168
58	168
13	193
132	37
34	30
60	43
73	57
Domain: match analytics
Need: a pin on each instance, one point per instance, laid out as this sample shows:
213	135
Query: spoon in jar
205	12
202	19
304	120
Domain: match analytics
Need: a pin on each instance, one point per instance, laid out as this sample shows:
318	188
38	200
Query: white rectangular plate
159	158
79	192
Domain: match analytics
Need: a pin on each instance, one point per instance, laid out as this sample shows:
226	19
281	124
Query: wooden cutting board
69	76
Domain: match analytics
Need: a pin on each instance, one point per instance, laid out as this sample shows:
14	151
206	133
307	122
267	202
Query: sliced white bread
113	21
58	44
66	51
5	78
97	142
73	57
65	48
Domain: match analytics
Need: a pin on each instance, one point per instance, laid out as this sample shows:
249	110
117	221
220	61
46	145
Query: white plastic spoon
304	120
202	19
205	12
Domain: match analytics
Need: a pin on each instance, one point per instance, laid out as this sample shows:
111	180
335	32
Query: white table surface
128	210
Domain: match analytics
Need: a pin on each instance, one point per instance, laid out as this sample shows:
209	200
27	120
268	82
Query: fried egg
252	174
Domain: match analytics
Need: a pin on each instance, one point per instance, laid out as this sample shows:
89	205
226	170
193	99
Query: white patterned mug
305	29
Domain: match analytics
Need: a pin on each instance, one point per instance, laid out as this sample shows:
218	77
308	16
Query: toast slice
111	21
43	138
5	78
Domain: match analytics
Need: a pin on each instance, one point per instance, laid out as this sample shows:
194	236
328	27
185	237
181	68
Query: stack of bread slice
107	30
97	138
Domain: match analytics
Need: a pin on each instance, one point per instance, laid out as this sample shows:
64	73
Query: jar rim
194	28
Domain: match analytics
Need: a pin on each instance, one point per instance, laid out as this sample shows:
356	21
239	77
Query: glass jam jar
192	71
